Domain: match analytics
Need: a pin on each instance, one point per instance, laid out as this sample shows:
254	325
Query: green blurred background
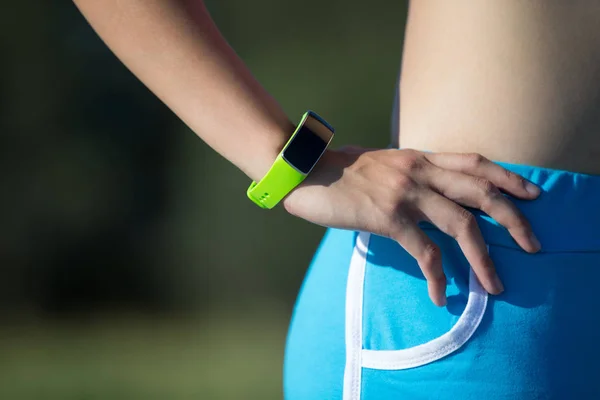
121	277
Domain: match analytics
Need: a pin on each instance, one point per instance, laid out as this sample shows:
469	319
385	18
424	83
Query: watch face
309	144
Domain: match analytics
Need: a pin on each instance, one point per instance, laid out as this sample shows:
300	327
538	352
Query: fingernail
536	243
439	298
444	300
498	285
532	189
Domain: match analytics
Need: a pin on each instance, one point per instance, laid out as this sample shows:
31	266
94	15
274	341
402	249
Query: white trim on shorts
358	358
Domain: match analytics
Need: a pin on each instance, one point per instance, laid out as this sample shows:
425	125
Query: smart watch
293	164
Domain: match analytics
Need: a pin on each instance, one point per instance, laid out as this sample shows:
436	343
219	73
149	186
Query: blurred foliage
107	202
225	357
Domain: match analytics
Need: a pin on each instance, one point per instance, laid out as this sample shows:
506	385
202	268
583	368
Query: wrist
294	162
327	171
265	152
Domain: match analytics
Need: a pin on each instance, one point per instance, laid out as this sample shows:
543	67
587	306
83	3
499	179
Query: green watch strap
299	155
282	179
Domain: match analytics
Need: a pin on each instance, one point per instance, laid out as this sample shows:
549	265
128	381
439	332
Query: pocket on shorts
401	327
390	322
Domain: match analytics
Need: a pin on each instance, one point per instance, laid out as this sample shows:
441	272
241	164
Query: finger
480	193
459	223
428	256
477	165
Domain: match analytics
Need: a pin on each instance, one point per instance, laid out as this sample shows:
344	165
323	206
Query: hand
388	192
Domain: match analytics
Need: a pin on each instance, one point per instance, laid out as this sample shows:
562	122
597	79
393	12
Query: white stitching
354	301
358	358
437	348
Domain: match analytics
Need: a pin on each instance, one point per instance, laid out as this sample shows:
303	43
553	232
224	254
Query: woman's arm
175	49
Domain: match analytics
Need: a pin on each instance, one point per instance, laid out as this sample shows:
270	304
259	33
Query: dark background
132	265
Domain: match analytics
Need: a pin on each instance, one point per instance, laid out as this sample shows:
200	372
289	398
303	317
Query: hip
364	320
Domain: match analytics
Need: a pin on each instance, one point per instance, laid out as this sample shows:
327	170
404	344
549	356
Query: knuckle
474	160
489	193
407	152
486	187
431	255
511	176
410	162
402	183
465	222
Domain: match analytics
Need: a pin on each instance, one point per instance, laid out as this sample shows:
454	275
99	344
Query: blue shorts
364	327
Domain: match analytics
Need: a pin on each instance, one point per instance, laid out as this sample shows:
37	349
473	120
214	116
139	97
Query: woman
517	82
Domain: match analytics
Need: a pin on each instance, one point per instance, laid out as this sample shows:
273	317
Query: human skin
174	47
516	81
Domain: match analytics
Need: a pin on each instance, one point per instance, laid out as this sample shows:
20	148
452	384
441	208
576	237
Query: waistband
565	217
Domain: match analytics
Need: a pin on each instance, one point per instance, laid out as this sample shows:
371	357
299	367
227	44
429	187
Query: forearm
176	50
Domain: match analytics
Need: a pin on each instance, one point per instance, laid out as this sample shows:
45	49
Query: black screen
307	146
